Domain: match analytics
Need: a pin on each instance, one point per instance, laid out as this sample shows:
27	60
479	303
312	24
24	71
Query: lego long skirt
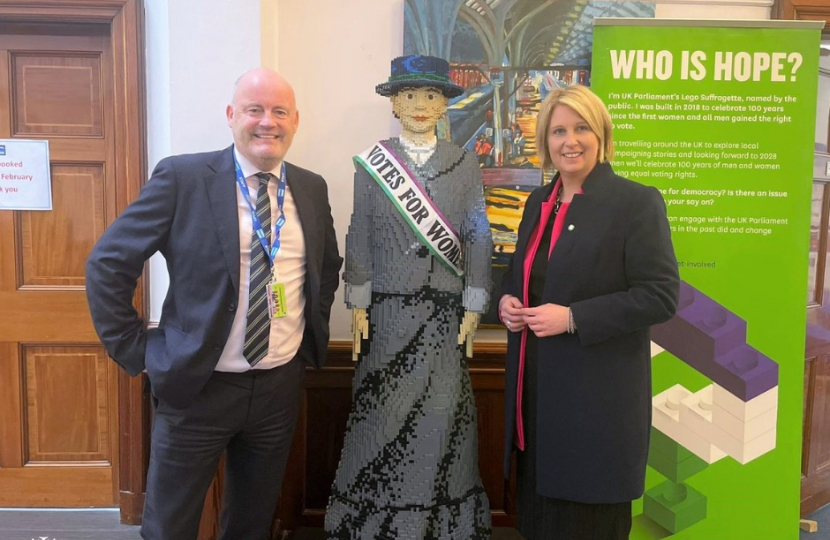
409	466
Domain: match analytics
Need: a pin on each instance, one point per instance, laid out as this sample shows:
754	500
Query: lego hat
416	71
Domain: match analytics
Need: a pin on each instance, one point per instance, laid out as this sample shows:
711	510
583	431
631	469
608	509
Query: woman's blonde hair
587	105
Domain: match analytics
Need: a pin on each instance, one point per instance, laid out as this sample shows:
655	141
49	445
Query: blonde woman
593	269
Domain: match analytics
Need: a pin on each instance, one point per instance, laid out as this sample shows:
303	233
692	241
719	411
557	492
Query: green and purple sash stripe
414	205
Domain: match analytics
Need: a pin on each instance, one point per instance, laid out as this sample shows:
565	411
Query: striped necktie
259	321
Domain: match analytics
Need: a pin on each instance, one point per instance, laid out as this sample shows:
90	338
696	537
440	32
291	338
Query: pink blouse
530	254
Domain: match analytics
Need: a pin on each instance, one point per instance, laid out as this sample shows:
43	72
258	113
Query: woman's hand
546	320
510	313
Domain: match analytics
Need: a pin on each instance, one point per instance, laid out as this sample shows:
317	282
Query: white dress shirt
286	332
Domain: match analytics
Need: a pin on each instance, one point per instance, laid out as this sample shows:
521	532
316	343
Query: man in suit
253	261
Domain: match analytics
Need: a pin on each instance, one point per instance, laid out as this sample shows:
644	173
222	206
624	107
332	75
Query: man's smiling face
263	117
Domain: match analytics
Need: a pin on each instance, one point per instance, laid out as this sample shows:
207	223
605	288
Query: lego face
263	118
573	147
419	109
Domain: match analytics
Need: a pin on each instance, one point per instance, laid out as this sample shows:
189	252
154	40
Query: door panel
68	405
50	242
44	108
815	485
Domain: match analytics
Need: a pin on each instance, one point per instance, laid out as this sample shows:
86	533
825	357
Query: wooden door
59	393
815	458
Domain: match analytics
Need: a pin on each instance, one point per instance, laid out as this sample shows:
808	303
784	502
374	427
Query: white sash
417	209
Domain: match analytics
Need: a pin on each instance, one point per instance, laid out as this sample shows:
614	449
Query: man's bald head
263	116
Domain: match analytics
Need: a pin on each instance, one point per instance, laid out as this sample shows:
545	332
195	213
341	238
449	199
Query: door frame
806	10
125	20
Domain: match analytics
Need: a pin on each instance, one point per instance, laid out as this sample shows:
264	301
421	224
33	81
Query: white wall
334	52
713	9
195	51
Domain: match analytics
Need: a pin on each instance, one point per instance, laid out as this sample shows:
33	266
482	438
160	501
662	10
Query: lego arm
467	331
478	250
359	269
360	330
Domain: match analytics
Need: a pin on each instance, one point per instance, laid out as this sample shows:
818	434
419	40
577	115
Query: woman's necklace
558	202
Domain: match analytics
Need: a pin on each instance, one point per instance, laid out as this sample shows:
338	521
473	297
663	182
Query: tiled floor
64	525
18	524
823	518
104	525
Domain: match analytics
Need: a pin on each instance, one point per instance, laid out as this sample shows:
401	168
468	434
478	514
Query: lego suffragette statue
417	278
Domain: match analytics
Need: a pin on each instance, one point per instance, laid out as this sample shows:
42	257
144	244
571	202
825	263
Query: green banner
720	116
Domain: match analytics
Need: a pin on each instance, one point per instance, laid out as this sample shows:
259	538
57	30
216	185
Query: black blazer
614	265
188	212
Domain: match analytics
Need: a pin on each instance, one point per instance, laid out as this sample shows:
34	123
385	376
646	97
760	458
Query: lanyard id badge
275	290
277	306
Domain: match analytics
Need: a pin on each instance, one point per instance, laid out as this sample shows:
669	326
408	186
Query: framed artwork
507	55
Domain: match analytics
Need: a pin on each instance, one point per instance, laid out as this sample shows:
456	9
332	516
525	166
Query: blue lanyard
257	224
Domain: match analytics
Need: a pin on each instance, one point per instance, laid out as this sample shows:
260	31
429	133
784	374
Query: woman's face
573	147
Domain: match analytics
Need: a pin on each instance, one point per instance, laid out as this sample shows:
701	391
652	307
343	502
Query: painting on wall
507	55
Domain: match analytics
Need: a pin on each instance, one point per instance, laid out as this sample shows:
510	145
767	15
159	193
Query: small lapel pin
571	227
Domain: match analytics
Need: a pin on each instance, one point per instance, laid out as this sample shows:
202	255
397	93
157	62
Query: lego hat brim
390	88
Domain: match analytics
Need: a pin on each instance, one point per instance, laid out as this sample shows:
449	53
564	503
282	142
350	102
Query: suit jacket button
231	307
217	347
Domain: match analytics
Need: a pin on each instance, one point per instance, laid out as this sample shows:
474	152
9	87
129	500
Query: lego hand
467	331
546	320
510	313
360	330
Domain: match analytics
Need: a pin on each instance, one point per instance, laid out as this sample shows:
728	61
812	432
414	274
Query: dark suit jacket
188	212
614	265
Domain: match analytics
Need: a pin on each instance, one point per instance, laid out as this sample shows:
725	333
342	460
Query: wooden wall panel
57	94
68	405
329	407
54	245
490	405
806	418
